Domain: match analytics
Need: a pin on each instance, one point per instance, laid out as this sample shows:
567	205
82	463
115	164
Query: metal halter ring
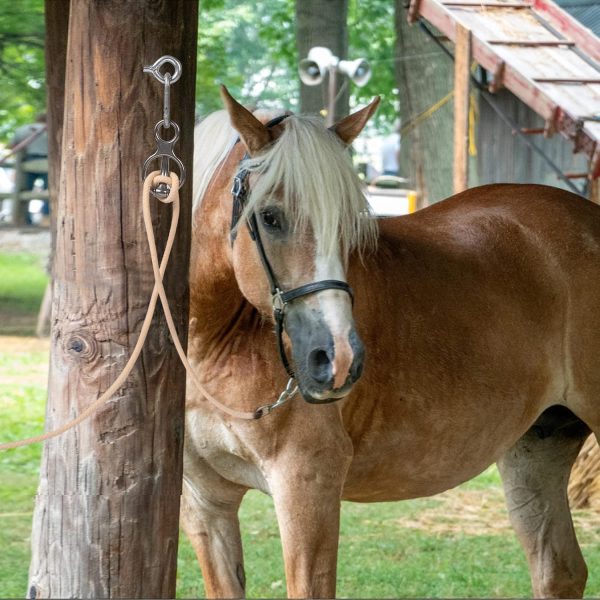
154	68
164	151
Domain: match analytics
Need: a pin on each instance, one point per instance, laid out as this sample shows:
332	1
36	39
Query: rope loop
158	291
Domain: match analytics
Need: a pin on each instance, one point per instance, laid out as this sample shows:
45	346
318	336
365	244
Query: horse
425	347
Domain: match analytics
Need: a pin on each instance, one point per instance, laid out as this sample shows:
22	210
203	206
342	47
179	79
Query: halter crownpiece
279	298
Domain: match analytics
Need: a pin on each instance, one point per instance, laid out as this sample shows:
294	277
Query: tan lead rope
158	291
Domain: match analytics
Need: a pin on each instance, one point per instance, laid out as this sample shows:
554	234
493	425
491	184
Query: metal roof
539	52
587	12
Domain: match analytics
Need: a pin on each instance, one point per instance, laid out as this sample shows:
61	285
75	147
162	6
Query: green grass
22	284
380	554
405	549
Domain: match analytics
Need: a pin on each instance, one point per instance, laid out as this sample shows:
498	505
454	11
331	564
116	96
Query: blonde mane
307	171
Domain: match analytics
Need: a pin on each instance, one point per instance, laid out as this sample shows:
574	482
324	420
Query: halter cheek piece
279	298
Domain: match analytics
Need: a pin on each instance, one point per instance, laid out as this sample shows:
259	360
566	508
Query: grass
455	545
443	546
22	286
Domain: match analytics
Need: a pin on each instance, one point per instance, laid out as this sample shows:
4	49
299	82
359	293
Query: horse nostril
319	366
356	370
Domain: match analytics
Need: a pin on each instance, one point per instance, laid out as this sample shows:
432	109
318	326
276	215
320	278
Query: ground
456	544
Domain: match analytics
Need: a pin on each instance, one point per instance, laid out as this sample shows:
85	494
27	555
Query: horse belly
420	450
398	479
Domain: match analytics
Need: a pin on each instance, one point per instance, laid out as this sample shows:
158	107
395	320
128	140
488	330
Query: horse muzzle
326	365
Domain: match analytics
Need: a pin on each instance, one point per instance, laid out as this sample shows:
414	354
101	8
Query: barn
535	78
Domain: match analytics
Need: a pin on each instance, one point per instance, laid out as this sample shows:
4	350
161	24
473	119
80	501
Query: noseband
280	299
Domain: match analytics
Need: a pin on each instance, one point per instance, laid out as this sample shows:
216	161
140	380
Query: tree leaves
22	93
249	46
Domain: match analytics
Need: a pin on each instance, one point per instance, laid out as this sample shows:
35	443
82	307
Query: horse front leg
209	507
307	500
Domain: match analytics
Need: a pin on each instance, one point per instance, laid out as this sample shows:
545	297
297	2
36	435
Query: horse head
306	211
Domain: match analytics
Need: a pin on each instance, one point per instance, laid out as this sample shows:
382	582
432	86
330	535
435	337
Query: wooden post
462	64
57	32
106	516
19	208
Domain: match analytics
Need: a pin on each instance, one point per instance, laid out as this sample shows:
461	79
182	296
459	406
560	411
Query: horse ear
252	132
350	127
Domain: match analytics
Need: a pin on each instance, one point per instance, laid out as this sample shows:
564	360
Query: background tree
323	23
249	46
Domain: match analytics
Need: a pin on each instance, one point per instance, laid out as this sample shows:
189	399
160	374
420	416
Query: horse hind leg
209	516
535	473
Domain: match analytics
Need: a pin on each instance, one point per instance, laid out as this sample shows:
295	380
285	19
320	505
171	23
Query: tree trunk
106	516
57	32
322	23
425	75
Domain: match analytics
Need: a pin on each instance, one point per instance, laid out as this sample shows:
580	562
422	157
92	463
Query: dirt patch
15	322
470	512
482	512
16	368
25	345
30	241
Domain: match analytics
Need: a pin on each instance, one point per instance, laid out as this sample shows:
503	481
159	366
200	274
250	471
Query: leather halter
279	298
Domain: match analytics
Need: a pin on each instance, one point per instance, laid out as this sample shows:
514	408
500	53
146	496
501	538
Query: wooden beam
462	65
497	82
107	510
533	130
531	43
413	10
567	80
452	3
559	19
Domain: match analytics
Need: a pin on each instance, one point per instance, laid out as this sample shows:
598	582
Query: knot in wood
81	346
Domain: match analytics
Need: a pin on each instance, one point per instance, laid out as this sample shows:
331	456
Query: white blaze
336	308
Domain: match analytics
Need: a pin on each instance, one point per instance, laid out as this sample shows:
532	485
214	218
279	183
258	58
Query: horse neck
217	307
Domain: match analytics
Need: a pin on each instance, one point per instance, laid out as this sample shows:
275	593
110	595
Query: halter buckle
278	302
291	389
238	189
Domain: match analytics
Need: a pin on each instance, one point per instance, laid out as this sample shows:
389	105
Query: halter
279	298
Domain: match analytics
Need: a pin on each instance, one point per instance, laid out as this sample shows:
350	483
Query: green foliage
251	48
248	46
22	93
22	401
372	36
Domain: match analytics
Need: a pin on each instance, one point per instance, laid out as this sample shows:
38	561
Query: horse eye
270	219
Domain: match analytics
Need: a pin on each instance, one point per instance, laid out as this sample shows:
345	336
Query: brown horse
480	326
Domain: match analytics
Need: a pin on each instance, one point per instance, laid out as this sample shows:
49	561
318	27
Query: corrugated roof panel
588	15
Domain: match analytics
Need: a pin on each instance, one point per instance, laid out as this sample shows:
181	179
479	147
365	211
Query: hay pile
584	484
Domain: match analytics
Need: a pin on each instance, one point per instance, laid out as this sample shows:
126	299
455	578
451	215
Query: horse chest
220	449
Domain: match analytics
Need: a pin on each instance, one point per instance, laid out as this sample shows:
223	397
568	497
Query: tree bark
106	516
425	75
57	31
322	23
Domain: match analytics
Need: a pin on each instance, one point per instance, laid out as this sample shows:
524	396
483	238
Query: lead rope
151	182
